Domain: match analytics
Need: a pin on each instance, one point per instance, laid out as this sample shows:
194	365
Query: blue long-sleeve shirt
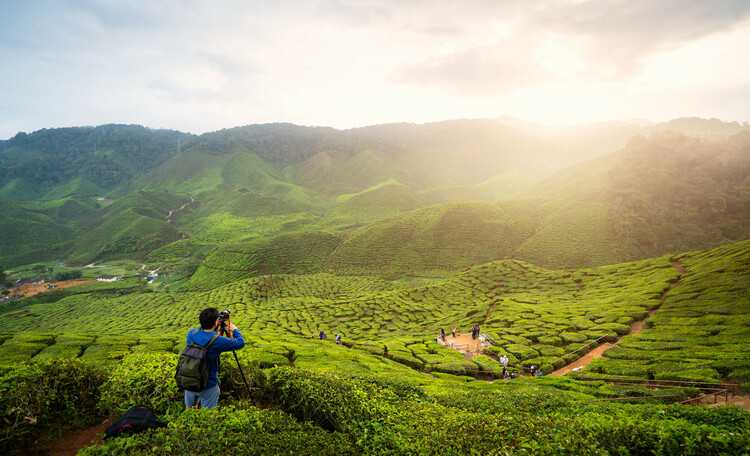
221	344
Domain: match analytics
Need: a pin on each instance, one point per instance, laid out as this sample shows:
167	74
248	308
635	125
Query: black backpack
137	419
192	366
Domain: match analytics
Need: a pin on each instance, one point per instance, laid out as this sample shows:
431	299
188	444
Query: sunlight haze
200	66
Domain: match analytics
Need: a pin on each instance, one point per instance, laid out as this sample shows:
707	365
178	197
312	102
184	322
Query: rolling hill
385	235
665	193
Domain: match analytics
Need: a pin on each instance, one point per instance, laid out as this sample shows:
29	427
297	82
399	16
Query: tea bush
142	379
43	395
230	431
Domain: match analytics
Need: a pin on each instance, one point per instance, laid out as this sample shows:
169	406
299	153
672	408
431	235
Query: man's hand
231	327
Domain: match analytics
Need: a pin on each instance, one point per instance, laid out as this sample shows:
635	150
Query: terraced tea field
535	316
701	331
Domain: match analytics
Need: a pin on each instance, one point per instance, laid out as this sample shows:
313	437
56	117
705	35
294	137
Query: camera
224	316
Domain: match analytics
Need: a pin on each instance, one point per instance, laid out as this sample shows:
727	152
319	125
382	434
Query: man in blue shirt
209	319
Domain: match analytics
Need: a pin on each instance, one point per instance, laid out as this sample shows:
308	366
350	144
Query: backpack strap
215	336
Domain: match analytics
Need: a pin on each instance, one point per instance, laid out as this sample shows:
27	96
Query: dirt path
739	401
78	439
585	360
169	217
635	328
464	343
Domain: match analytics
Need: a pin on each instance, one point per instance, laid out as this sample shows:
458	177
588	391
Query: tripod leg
243	378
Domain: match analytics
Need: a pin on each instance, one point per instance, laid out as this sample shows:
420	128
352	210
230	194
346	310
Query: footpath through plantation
391	388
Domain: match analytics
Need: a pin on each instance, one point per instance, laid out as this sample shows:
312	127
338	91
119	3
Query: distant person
338	339
454	331
323	335
209	319
533	370
539	373
442	334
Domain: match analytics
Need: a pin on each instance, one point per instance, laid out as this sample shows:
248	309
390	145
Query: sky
200	66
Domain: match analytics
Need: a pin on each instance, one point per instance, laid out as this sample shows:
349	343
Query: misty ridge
633	189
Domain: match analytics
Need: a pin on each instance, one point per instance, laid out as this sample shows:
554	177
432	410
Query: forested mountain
91	160
579	196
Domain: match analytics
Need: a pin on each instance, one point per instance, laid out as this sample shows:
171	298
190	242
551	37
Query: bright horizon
203	66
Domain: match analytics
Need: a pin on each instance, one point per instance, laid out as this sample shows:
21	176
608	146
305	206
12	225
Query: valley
630	261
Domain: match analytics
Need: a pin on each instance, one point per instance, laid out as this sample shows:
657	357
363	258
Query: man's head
208	317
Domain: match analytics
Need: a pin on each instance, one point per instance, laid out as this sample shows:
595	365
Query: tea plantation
391	389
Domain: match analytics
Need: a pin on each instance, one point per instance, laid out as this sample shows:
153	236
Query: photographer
209	319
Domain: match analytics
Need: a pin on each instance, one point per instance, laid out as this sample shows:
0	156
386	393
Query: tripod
224	331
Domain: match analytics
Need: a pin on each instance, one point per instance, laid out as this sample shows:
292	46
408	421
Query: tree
61	276
39	268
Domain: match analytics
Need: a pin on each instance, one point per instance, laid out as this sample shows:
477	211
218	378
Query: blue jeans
209	397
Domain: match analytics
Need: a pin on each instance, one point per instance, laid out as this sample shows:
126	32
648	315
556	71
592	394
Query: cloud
616	36
562	41
186	64
480	71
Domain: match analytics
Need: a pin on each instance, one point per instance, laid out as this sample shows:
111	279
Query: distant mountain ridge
265	180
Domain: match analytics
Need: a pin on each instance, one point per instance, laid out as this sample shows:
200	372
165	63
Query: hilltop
385	235
467	191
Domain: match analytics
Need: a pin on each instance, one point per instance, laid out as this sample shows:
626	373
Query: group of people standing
324	336
474	333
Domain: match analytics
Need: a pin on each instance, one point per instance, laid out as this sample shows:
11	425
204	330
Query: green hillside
535	316
380	201
434	241
304	252
30	226
137	223
79	186
548	240
667	193
50	160
702	328
20	189
660	195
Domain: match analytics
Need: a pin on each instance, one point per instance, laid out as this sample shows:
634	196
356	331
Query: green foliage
24	346
69	274
231	431
142	379
696	334
108	155
36	396
66	346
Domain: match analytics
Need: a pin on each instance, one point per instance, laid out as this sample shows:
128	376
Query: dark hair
208	317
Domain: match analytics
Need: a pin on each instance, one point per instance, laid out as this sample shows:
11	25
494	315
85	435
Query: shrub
143	379
35	396
226	430
550	340
522	352
24	346
569	338
331	401
547	350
